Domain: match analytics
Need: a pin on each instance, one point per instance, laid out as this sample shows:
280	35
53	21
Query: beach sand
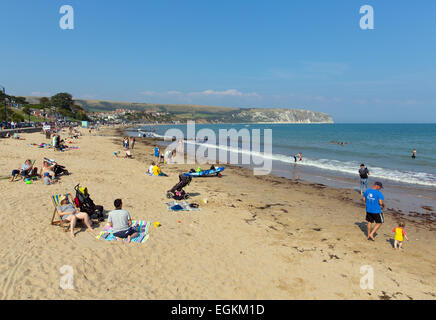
257	237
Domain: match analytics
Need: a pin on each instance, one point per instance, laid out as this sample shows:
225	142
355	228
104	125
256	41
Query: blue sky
305	54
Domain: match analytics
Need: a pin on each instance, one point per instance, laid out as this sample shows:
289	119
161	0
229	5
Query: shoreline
406	199
257	237
411	216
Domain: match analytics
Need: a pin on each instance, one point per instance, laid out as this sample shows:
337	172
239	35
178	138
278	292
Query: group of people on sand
118	219
155	170
166	157
129	143
29	171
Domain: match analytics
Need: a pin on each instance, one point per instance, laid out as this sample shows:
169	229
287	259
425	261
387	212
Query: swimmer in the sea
414	154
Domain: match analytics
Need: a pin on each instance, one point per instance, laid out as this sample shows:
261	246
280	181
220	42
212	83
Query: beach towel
180	206
142	226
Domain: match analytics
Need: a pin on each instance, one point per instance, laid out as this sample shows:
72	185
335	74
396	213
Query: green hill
212	113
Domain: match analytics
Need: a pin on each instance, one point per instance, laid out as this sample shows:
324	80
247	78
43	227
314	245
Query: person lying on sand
69	212
16	136
121	222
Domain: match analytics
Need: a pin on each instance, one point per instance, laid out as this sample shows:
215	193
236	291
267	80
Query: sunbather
26	170
47	168
69	212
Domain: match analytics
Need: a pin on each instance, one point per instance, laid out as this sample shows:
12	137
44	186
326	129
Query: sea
332	154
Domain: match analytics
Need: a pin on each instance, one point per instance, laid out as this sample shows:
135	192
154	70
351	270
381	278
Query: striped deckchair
55	199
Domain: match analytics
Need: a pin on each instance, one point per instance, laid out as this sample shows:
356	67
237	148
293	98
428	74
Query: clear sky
308	54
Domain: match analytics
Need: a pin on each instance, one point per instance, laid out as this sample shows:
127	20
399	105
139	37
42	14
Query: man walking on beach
373	200
121	222
363	173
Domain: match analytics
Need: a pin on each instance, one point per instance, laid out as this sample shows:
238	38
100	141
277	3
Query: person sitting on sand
69	212
128	155
121	222
157	171
150	169
373	200
400	235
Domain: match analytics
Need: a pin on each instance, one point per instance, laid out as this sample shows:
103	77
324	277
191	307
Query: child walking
400	235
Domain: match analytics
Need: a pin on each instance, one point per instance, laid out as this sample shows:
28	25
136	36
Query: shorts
124	234
64	217
375	217
156	155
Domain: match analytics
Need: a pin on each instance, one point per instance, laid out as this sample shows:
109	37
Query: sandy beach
257	237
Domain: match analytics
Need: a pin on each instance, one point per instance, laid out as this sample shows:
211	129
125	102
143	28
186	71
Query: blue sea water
385	149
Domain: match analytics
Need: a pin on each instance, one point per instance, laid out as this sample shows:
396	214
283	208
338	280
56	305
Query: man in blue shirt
373	200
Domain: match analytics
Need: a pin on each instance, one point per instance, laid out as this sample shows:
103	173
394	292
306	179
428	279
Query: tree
21	100
44	101
63	102
26	110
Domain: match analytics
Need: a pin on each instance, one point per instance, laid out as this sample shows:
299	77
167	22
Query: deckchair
56	199
31	175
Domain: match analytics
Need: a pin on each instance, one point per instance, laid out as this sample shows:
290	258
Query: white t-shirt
120	220
150	170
